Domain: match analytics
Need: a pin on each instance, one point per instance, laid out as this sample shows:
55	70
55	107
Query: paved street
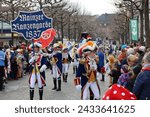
19	89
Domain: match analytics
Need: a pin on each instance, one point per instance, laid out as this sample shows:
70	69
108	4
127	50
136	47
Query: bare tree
10	8
147	27
68	18
135	8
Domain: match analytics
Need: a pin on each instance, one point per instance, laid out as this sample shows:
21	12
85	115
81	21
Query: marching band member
56	62
87	70
38	66
66	59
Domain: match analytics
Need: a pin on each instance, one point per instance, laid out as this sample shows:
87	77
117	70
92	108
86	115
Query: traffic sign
31	24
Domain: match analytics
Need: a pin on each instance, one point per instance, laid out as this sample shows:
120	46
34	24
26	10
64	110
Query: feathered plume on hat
87	47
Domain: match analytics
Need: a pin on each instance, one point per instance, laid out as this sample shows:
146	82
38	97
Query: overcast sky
97	7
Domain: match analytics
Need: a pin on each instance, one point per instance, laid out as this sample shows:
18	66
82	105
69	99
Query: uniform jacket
58	57
40	62
82	71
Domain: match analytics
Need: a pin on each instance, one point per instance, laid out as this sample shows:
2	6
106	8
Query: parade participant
101	63
38	67
3	64
66	60
87	70
75	60
56	61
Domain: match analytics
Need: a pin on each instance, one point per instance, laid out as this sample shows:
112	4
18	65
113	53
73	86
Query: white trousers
35	78
55	71
75	63
65	68
94	88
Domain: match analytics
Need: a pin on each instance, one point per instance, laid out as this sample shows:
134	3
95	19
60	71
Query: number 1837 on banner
31	24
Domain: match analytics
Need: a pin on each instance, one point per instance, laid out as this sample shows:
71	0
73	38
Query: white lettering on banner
31	24
34	26
33	34
31	17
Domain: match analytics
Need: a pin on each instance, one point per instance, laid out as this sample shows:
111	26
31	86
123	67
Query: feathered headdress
87	47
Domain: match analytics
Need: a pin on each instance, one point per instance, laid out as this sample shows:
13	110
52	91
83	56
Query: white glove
32	60
78	87
43	68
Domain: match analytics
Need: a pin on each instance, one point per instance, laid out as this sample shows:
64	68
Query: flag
46	37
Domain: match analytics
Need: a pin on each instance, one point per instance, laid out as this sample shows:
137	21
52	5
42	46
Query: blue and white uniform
38	65
56	62
87	72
